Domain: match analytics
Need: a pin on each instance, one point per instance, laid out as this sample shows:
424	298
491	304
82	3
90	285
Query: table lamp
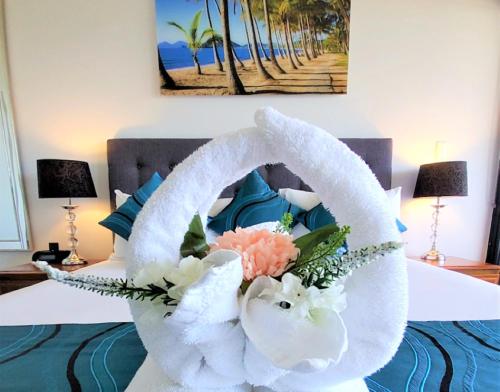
58	178
438	180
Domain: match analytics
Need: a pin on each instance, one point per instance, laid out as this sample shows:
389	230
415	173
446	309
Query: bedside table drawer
6	286
24	275
484	271
491	277
486	274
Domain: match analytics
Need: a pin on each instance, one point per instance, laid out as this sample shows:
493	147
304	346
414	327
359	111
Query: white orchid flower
304	302
189	271
295	327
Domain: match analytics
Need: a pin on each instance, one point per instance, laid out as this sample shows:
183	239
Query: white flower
153	273
189	270
295	327
302	302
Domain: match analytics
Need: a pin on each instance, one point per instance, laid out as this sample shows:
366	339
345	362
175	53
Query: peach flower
262	252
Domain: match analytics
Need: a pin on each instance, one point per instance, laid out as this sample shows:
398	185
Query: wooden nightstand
484	271
24	275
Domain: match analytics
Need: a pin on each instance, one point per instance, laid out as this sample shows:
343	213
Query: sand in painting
325	74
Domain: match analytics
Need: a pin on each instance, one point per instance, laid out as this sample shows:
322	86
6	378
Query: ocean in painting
175	58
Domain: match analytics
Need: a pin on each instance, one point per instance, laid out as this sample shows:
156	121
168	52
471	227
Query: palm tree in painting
194	41
267	18
234	84
258	61
218	63
235	55
168	82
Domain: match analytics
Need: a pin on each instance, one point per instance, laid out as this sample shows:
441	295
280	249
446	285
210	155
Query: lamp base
434	255
73	259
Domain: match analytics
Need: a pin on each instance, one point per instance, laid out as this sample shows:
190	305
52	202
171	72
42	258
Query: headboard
131	162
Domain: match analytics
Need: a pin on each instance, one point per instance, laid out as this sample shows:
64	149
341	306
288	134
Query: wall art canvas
239	47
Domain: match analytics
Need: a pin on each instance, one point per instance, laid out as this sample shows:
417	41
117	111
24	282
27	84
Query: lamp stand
73	258
433	254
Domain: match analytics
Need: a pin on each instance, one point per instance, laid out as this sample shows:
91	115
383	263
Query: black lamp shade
58	178
442	179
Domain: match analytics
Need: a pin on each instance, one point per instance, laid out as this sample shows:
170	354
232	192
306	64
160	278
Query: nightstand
24	275
484	271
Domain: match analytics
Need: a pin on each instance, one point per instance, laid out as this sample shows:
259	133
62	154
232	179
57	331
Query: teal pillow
122	219
316	217
255	203
401	227
319	216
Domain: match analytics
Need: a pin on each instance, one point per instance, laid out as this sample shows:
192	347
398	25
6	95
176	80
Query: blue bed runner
434	356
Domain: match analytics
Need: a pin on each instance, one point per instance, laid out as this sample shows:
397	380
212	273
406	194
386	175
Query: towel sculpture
259	310
203	345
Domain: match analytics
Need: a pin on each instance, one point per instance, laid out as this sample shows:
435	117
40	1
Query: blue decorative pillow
122	219
316	217
401	227
255	203
319	216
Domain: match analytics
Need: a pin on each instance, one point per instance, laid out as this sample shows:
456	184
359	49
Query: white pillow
394	196
120	245
303	199
219	205
299	230
309	200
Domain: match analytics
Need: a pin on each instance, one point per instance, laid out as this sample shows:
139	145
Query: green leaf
195	24
178	26
195	242
308	242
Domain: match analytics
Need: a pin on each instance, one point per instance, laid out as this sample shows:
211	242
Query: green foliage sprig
285	224
111	287
325	265
318	266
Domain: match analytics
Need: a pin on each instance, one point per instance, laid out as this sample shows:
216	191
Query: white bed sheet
435	294
51	302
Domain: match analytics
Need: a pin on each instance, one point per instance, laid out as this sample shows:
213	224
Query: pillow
303	199
299	230
394	196
121	220
219	205
317	215
120	244
255	203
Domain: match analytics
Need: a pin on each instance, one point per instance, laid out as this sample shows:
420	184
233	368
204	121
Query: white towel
151	378
202	345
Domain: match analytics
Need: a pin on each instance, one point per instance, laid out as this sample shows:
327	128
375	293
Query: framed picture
223	47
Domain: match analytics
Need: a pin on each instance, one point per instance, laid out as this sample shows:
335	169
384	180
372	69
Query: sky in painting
183	11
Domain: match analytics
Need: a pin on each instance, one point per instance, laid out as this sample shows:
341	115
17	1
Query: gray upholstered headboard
131	162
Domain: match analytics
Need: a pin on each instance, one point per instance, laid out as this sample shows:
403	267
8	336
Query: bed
58	338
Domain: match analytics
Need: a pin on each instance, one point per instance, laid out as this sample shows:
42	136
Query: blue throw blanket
434	356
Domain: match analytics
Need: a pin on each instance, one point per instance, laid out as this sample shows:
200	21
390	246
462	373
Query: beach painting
243	47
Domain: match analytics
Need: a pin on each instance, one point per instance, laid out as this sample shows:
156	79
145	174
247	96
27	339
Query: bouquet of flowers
302	278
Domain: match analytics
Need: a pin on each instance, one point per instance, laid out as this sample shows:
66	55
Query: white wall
84	71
